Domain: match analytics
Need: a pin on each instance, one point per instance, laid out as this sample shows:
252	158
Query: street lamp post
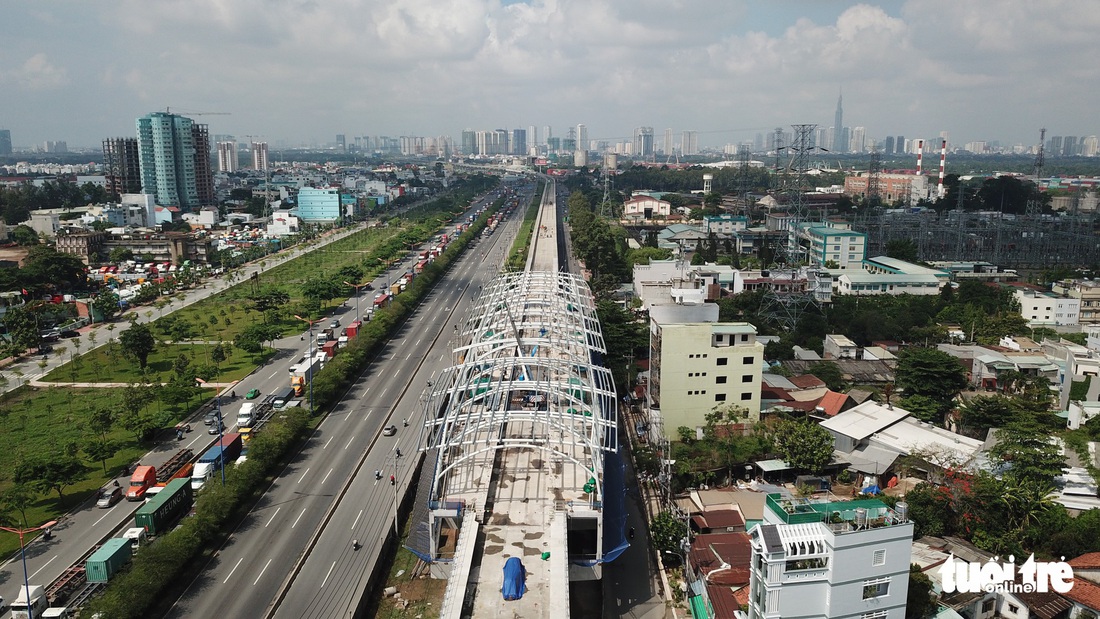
23	553
221	427
396	462
309	360
358	316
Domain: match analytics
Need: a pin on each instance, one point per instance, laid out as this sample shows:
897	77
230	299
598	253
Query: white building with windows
833	247
696	367
1042	309
830	560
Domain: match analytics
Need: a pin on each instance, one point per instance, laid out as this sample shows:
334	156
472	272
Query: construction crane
168	110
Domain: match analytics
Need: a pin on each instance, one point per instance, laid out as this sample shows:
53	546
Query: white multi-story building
697	367
259	156
1044	308
830	560
227	156
832	247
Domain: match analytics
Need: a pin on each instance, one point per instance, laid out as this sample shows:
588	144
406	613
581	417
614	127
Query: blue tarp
614	507
872	490
515	579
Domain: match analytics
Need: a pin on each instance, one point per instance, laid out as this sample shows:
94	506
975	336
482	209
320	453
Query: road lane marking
418	342
261	573
273	374
103	516
356	520
303	476
328	574
327	442
326	476
298	518
272	516
43	567
349	442
233	570
194	440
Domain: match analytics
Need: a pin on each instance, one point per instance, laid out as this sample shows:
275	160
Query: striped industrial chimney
920	155
943	158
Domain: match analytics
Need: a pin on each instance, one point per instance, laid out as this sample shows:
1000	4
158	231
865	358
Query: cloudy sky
305	70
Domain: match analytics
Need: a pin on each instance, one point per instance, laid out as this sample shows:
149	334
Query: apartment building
822	559
697	367
1088	291
1044	309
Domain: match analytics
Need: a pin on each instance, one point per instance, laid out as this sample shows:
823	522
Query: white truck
246	416
38	602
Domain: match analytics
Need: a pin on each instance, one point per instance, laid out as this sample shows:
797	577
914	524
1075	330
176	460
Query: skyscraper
689	143
899	145
175	160
840	140
669	145
121	166
532	136
1069	146
5	141
643	142
469	142
259	156
888	148
227	156
582	137
859	140
341	142
517	141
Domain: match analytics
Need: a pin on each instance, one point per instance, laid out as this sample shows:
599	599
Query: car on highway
211	418
252	394
389	430
335	324
108	496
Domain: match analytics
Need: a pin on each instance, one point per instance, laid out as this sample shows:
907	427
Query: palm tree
1027	501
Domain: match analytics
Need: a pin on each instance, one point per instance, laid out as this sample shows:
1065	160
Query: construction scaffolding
1013	241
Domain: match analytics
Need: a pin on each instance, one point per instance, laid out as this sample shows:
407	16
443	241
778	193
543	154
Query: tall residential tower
174	153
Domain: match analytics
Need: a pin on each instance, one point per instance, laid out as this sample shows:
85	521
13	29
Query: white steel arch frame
525	359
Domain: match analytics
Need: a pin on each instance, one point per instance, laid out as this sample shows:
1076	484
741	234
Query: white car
389	430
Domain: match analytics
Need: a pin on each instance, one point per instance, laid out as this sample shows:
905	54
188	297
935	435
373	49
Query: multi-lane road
87	526
293	555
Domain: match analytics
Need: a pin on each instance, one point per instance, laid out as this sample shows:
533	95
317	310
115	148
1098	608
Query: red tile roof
807	381
1084	592
722	518
833	402
774	393
732	548
1087	561
723	600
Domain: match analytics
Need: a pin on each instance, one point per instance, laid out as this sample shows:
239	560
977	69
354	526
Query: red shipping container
329	348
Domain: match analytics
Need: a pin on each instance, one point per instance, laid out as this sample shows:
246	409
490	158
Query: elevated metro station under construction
522	457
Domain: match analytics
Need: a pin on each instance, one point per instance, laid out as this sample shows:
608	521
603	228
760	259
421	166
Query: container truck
246	416
330	348
221	453
33	597
144	477
112	556
163	510
300	373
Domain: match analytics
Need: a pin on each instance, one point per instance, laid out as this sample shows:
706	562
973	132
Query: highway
328	495
85	526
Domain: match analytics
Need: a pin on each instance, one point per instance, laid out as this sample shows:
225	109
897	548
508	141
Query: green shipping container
163	510
108	560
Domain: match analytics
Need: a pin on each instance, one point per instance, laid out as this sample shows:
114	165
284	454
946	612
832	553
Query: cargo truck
215	458
145	477
300	373
104	563
163	510
37	602
245	416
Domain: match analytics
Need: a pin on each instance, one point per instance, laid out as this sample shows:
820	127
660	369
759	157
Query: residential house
840	347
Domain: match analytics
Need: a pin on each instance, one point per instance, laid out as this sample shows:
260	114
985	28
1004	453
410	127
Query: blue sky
305	70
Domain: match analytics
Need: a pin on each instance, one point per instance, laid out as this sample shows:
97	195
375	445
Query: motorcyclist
355	544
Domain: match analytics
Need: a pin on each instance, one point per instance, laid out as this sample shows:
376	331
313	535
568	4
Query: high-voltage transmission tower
874	175
801	149
605	204
1034	205
744	180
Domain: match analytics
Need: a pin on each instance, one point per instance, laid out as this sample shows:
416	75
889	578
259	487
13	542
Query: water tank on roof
861	518
901	509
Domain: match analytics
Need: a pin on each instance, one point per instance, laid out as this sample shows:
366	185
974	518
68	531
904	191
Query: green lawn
108	364
46	421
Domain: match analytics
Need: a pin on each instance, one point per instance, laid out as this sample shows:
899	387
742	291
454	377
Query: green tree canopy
932	373
106	303
804	445
828	372
51	472
138	343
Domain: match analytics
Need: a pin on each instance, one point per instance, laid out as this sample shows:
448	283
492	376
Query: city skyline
723	70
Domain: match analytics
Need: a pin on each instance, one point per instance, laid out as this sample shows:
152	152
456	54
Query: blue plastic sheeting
872	490
614	507
515	579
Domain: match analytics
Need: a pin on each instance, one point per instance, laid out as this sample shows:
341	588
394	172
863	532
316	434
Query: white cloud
35	73
981	69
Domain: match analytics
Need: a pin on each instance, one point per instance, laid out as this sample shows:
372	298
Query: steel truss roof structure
525	377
